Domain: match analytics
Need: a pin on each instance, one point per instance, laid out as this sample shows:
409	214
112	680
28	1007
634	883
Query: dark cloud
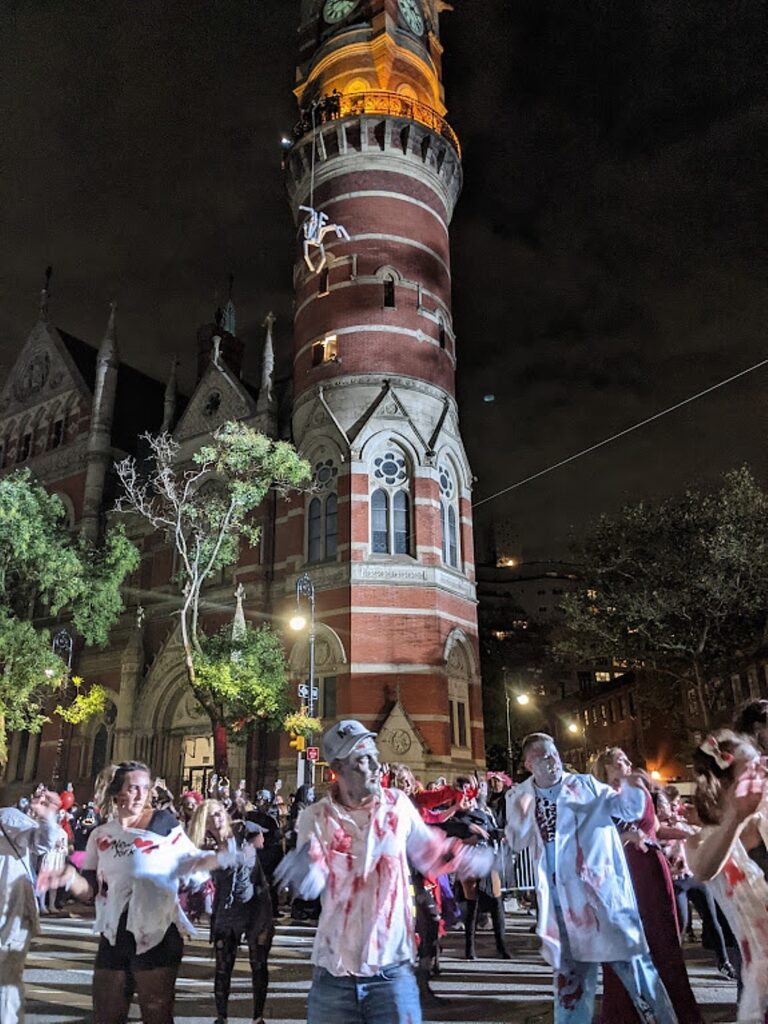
609	248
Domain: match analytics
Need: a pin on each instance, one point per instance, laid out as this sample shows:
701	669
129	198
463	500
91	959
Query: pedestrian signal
297	742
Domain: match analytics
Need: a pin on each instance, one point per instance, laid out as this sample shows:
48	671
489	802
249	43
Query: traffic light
297	742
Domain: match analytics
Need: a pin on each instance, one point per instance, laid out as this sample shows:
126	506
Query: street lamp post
305	591
62	645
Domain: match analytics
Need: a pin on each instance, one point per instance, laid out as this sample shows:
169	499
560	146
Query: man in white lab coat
21	835
587	909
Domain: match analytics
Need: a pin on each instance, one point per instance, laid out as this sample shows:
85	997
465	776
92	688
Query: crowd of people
387	864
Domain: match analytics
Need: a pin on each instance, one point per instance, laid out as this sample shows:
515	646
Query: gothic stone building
387	534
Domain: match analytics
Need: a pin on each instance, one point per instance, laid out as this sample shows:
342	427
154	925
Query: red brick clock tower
386	536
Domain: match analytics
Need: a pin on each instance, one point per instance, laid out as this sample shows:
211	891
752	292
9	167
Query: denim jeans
389	997
575	985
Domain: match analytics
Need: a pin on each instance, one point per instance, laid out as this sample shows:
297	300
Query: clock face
412	16
337	10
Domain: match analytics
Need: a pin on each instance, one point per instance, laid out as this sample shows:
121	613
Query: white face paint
358	776
543	762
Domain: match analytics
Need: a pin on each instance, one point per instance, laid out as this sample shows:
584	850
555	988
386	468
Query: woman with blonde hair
655	900
242	904
132	866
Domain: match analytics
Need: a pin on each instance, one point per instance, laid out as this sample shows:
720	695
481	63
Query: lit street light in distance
523	698
573	728
297	623
656	775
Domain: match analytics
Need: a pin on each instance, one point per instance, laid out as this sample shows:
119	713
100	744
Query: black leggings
226	945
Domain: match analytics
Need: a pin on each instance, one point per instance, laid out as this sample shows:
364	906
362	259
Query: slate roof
138	400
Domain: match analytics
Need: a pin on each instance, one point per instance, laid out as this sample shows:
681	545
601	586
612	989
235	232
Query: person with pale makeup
730	799
354	846
242	904
655	896
587	909
132	867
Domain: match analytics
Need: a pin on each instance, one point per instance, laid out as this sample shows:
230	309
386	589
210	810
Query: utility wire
621	433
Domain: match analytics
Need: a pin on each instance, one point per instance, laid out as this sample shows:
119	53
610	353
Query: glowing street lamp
305	592
523	698
573	728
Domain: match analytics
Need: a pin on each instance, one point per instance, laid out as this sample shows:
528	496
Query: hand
479	830
45	804
62	879
278	785
635	837
748	793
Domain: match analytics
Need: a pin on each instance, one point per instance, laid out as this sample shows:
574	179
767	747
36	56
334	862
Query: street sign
303	691
313	753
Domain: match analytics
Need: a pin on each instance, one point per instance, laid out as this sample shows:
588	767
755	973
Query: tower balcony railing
336	106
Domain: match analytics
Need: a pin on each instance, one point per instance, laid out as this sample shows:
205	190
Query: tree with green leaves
46	572
678	587
206	510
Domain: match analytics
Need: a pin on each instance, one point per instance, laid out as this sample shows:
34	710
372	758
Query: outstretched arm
709	850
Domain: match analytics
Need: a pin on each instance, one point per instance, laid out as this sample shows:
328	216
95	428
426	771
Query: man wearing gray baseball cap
354	846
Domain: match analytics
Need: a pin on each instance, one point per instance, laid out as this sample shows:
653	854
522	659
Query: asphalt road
58	978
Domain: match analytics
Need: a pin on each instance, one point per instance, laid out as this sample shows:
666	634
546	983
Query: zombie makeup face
543	762
357	776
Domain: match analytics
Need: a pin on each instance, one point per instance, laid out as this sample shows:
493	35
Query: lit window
592	594
602	677
325	351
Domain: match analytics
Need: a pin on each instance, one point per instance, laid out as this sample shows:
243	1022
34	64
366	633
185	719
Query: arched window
380	522
322	513
322	282
331	525
314	546
390	504
453	546
441	333
389	292
402	524
449	517
99	755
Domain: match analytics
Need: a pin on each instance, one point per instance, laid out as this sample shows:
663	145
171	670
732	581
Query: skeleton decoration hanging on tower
315	228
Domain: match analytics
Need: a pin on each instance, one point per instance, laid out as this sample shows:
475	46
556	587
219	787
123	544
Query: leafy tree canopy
679	585
244	678
45	570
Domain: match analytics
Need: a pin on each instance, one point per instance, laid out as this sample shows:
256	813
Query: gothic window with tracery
322	513
390	504
449	517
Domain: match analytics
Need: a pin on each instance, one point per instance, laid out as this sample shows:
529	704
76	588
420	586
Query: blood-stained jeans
389	997
576	984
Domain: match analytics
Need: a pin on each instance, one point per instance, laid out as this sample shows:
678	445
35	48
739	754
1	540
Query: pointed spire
45	294
228	321
268	365
108	348
169	402
239	627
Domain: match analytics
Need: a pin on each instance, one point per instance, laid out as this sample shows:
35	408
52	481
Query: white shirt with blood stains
741	892
594	887
367	920
140	870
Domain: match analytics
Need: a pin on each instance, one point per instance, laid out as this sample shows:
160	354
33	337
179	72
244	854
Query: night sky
609	249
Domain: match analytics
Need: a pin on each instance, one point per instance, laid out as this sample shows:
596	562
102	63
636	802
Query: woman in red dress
656	902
